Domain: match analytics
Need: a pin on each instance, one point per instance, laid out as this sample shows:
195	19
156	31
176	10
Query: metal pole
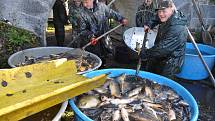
98	38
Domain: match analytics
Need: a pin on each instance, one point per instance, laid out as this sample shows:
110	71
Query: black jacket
75	15
94	22
59	13
169	47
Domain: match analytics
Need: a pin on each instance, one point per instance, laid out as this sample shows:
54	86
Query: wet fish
116	115
148	92
107	83
120	78
183	103
124	85
152	111
160	96
142	116
54	56
171	115
134	91
106	115
88	101
114	89
152	105
103	104
137	107
144	101
101	90
143	98
121	101
91	92
124	114
172	95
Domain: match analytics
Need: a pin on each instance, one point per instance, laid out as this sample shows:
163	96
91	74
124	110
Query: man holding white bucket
167	55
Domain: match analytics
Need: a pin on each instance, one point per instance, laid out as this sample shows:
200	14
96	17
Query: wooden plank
50	83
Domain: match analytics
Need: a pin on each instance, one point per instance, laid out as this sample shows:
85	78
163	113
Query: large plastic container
79	116
193	69
19	57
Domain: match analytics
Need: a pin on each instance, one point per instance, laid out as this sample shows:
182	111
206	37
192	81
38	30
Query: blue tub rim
199	46
131	71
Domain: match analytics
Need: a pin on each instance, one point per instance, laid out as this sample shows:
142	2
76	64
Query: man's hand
124	22
93	41
146	28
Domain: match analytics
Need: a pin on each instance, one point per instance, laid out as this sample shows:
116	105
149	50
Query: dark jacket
59	20
144	14
94	22
74	18
75	15
59	13
167	54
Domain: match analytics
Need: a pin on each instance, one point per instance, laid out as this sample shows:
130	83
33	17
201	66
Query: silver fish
120	78
144	98
124	85
152	111
114	89
172	95
88	101
121	101
101	90
148	92
116	115
171	115
124	114
184	103
152	105
134	91
143	115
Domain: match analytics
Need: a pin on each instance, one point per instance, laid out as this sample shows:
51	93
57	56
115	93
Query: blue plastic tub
193	69
79	116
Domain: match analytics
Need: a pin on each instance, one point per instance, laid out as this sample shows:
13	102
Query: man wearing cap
167	55
94	24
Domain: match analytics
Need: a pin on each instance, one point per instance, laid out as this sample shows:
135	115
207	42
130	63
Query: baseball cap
162	4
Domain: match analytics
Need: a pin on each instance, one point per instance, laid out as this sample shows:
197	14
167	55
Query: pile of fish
132	98
83	62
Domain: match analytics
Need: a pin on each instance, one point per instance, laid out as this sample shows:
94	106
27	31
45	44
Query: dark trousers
59	34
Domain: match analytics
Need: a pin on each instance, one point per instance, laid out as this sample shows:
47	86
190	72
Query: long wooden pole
201	58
